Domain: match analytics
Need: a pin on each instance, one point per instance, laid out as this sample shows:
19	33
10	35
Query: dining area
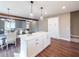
10	30
6	39
8	45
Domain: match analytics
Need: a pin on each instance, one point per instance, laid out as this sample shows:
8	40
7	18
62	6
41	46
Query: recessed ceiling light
63	7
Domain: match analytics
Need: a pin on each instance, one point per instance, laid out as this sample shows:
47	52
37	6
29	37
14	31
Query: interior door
53	27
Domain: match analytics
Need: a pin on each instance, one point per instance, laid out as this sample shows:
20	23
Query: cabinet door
35	46
32	49
39	44
46	40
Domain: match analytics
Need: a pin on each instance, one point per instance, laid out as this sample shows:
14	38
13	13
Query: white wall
59	26
64	26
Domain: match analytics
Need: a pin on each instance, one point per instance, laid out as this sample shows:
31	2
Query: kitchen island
33	44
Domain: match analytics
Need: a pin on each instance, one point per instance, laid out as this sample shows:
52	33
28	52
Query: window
9	25
27	24
12	23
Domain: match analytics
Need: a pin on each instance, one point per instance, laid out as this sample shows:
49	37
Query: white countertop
30	36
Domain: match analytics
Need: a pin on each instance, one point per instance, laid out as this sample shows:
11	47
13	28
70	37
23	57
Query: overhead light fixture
63	7
45	12
31	13
41	17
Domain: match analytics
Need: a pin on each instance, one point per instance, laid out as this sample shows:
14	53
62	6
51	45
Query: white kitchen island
33	44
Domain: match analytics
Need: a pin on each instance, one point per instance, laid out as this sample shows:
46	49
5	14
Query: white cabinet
37	44
46	40
32	48
34	44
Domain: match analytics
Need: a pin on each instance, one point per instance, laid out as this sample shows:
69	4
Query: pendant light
31	13
8	18
41	17
8	9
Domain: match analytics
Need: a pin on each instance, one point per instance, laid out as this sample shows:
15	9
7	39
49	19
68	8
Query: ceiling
22	8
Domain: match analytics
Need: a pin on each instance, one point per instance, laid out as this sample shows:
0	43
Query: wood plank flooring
57	48
60	48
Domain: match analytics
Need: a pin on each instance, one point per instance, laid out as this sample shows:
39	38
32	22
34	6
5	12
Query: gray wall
43	25
20	24
63	23
34	26
1	24
75	23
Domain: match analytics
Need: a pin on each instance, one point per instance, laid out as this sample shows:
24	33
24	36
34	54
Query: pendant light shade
31	13
41	17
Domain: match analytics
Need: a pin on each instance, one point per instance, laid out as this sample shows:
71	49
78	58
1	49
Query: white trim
74	35
62	38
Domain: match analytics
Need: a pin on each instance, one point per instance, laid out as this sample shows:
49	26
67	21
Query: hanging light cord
8	12
41	11
31	5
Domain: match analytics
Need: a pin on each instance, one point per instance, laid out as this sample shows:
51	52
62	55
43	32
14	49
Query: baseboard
74	36
70	40
64	39
61	38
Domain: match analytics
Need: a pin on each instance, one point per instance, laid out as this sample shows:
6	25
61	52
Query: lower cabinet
46	40
32	49
36	45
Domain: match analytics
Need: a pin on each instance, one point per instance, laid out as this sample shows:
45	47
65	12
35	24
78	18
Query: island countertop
31	36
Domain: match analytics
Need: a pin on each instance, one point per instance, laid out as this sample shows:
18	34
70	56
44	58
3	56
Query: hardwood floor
60	48
10	51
